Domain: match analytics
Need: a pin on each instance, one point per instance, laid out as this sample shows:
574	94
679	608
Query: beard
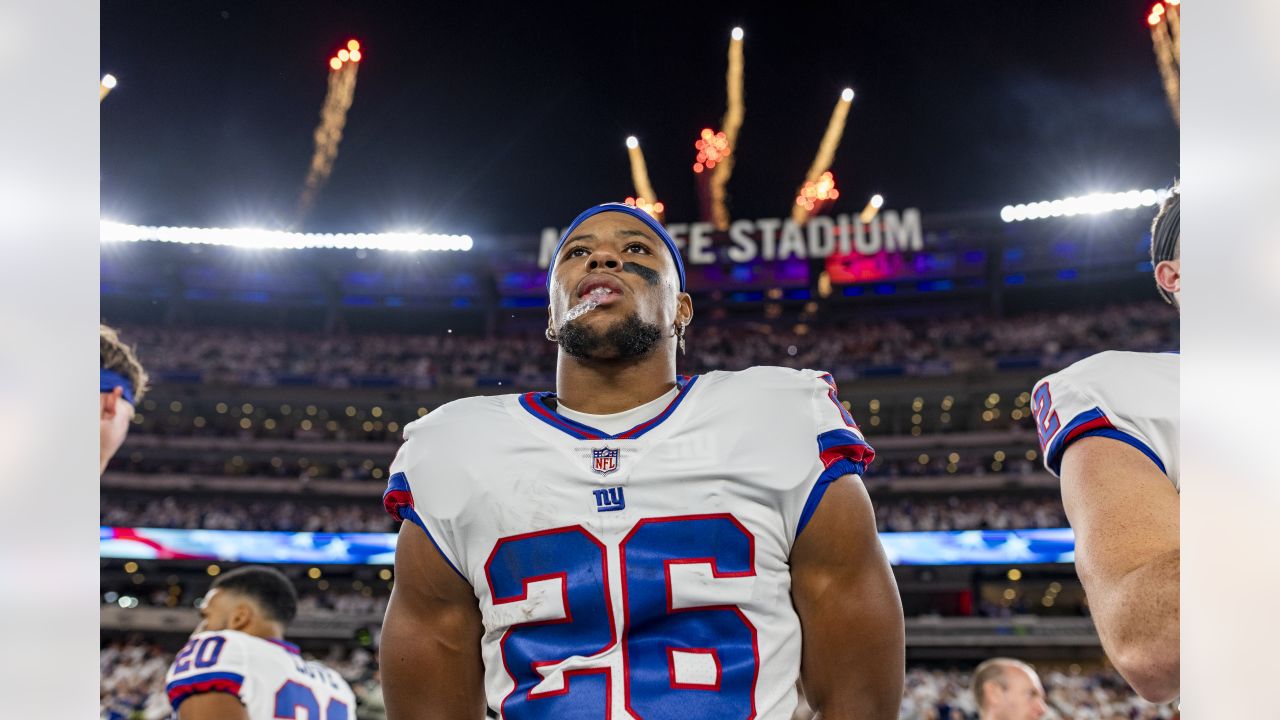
626	339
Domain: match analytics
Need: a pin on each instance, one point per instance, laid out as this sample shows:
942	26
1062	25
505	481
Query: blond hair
116	356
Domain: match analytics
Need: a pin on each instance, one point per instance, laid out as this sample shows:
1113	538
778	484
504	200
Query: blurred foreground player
122	383
640	545
1008	689
1108	426
237	666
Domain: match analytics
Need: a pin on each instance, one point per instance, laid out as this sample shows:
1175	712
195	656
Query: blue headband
636	213
110	380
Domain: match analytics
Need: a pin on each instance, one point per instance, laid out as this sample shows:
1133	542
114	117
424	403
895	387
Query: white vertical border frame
49	278
1231	358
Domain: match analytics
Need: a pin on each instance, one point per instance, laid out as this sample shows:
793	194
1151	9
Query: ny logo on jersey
609	499
604	460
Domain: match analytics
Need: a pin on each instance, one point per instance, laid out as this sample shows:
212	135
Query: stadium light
253	238
1094	204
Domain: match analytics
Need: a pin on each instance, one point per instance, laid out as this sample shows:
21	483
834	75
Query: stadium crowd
208	513
928	346
893	513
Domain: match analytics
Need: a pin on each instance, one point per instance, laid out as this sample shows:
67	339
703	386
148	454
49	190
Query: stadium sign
783	239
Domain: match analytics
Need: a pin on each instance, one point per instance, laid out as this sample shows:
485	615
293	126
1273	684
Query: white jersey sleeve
1126	396
421	488
211	662
842	449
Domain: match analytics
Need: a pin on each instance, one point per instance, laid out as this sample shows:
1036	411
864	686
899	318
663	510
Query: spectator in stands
121	384
1008	689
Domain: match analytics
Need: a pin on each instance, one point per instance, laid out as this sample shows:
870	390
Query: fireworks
815	193
872	208
1165	22
646	199
655	209
333	118
822	161
713	150
731	124
105	85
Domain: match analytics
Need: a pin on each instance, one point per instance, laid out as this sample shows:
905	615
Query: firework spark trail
333	118
640	172
730	125
1166	29
826	149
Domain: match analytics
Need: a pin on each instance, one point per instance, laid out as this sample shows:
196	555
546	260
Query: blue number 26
692	662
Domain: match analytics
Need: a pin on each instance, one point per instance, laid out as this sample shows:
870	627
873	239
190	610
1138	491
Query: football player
638	544
237	665
1108	427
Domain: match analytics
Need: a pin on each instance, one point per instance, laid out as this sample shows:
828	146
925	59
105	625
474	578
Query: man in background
1008	689
122	383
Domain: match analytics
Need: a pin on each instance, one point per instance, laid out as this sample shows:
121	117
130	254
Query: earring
680	334
551	334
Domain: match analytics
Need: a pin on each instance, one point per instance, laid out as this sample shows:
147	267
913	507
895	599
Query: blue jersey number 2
294	696
715	645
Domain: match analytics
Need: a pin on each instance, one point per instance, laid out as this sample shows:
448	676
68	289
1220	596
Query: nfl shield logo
604	460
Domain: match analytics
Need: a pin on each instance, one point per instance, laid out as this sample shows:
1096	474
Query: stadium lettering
776	239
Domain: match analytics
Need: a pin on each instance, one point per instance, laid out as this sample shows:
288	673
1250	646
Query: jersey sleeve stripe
398	502
1125	437
837	469
1092	423
184	688
841	443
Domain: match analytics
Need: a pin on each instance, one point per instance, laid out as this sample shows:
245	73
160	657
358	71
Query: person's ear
1169	276
241	616
684	308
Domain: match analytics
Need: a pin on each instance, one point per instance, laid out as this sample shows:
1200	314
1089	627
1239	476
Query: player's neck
265	629
605	387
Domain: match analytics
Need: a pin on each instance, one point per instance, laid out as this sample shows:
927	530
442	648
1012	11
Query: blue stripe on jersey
1125	437
1093	423
412	516
839	437
839	468
179	690
401	507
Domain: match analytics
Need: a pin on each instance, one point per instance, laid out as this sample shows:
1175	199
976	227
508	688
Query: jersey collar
286	645
535	404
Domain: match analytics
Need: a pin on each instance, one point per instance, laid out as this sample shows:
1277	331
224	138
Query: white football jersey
1127	396
642	574
269	676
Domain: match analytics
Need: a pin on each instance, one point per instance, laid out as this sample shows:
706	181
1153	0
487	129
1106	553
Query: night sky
471	118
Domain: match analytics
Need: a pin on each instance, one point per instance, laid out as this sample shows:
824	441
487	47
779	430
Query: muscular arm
430	655
212	706
853	660
1124	512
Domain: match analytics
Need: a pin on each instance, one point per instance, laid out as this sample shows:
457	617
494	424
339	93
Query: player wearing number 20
237	667
638	544
1109	429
